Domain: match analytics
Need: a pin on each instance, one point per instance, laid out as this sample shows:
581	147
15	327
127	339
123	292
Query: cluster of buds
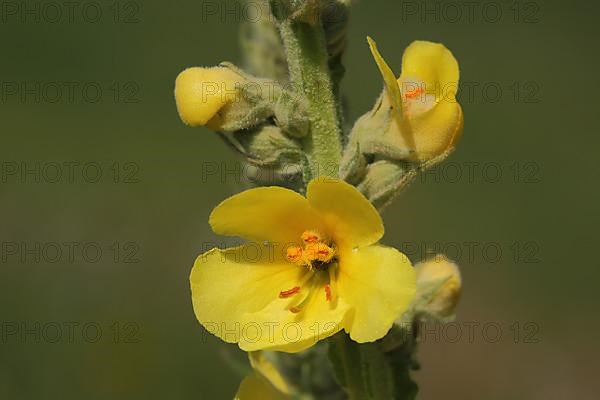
256	116
256	110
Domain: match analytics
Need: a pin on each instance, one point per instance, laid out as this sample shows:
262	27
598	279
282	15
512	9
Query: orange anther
310	237
319	252
294	254
289	293
328	292
411	94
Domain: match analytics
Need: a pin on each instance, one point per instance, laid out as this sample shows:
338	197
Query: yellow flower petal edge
350	217
287	295
266	383
255	387
200	93
264	367
265	213
379	270
433	64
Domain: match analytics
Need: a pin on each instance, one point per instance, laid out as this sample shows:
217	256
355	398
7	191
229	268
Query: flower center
418	98
318	257
316	254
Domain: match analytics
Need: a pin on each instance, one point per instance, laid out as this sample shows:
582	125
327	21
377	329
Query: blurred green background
531	115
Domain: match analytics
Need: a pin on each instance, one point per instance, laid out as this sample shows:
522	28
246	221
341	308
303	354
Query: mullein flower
427	120
415	123
314	269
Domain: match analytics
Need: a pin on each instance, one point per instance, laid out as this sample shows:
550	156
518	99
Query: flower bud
438	287
383	180
428	84
202	94
417	118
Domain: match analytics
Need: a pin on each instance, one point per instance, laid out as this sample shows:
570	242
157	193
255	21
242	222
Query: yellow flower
201	93
429	120
313	269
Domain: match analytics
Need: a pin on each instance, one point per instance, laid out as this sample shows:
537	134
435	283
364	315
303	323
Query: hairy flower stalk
322	308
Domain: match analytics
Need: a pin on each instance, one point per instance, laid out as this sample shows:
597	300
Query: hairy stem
309	75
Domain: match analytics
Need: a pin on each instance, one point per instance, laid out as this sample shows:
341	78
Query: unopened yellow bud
200	93
439	282
429	82
428	121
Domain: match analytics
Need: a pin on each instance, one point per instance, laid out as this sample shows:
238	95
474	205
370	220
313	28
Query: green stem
368	372
309	74
345	356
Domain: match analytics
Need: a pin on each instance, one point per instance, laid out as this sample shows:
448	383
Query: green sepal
291	116
385	179
353	166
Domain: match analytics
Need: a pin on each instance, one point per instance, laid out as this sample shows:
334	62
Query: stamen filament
301	301
332	283
284	294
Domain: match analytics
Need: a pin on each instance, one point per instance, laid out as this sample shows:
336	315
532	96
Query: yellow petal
264	367
268	213
255	387
379	284
227	284
432	63
201	92
438	130
349	217
293	332
435	117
